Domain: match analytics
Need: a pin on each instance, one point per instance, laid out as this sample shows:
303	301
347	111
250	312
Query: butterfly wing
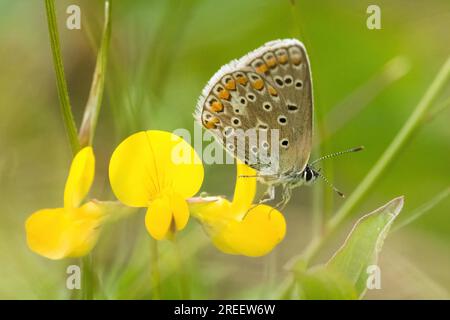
270	88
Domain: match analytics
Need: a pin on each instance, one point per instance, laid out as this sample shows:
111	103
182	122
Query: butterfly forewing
268	91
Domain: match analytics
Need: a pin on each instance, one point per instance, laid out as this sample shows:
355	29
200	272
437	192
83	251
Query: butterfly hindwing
270	88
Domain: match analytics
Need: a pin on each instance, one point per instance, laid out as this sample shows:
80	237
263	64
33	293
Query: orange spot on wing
211	123
271	62
261	68
242	79
216	106
224	94
230	84
283	58
272	91
258	84
296	60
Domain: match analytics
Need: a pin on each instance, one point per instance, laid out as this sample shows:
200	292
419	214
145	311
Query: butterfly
269	93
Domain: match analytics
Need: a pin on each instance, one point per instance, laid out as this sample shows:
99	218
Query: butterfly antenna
356	149
330	184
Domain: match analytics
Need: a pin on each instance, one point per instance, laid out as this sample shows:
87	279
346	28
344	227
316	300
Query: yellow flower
238	227
157	170
73	230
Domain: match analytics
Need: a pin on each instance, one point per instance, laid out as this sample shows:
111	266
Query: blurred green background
162	53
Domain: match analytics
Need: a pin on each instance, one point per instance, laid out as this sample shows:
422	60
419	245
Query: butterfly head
309	175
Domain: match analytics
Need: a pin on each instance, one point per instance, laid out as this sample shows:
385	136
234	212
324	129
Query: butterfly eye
265	145
230	146
279	81
307	175
288	80
267	106
251	97
284	143
298	84
254	149
282	120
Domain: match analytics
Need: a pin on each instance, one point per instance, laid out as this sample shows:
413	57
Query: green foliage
324	283
345	275
363	245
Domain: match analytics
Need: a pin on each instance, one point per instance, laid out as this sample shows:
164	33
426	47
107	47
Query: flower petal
259	232
245	189
80	177
44	230
147	165
159	218
180	211
64	232
216	217
85	229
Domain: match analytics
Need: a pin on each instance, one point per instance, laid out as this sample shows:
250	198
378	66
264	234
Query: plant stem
400	141
362	96
94	102
87	287
63	94
184	281
319	207
155	275
422	210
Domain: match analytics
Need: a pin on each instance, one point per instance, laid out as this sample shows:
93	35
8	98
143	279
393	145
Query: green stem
87	283
155	275
400	141
362	96
319	205
416	214
94	102
63	94
184	281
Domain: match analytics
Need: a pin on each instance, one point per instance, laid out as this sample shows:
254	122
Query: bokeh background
367	83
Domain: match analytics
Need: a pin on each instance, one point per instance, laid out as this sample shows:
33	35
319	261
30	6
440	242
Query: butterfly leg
269	195
286	196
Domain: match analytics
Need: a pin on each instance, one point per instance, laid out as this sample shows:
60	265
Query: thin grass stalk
182	275
404	136
318	218
154	271
94	102
63	94
87	278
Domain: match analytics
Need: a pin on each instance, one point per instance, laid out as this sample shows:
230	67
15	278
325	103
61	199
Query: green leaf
93	105
362	246
323	283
